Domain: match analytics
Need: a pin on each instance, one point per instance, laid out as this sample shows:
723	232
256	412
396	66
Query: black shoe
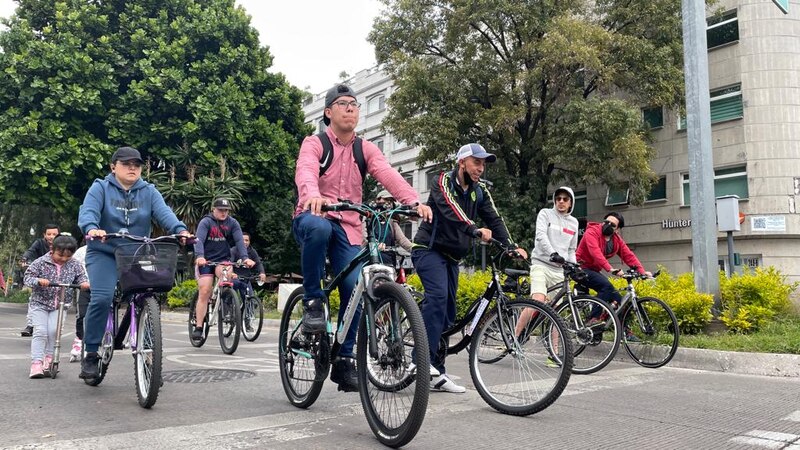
248	326
27	331
197	334
313	316
344	374
89	366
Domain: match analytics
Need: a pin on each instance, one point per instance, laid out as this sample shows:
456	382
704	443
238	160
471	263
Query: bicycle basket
148	267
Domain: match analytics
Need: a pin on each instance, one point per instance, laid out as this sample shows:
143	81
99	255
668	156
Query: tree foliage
184	81
553	87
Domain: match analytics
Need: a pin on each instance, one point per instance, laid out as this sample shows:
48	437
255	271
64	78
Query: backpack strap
326	159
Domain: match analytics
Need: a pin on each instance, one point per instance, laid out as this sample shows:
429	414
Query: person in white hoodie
555	242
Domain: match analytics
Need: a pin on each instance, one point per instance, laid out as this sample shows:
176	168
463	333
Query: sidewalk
770	364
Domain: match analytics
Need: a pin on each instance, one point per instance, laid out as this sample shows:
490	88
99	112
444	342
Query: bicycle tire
192	322
229	320
148	356
656	343
303	360
396	390
507	385
105	358
252	308
593	347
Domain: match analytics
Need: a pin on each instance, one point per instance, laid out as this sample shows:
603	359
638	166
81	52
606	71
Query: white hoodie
555	233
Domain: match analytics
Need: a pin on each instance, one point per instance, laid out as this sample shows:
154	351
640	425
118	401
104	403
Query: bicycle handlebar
176	238
63	285
364	210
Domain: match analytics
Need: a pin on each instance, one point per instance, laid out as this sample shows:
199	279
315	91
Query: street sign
783	5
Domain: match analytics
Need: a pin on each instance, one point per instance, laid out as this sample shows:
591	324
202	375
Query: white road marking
767	439
794	417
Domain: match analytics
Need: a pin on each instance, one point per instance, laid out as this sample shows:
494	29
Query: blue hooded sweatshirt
108	206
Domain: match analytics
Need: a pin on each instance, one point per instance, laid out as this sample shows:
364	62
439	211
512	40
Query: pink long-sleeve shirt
343	179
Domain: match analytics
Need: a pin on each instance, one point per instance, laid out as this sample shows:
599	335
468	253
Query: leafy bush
182	294
470	288
754	298
17	296
269	299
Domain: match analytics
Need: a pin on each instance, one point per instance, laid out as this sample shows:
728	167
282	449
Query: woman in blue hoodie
120	201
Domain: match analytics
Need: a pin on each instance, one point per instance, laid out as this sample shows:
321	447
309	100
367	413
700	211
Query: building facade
754	77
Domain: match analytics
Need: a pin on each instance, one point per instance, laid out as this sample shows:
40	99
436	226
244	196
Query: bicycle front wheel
147	368
595	331
229	322
394	384
252	317
520	375
303	358
651	332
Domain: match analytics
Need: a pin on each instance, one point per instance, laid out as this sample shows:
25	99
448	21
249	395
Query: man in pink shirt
337	235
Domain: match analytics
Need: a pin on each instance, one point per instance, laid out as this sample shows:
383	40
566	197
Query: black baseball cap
340	90
126	154
222	203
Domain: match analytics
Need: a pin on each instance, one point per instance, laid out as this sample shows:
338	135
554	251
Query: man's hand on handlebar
97	233
200	261
521	253
425	212
85	286
249	263
556	258
315	205
484	234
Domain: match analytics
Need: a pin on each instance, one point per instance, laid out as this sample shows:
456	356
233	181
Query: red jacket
591	250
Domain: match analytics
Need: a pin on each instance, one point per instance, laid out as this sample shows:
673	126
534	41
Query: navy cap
222	203
126	154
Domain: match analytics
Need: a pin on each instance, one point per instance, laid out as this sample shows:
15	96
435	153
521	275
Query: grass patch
17	296
776	337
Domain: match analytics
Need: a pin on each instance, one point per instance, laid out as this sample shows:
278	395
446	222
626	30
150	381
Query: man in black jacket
39	248
457	199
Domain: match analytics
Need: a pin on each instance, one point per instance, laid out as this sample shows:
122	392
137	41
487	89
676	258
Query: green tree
184	81
554	88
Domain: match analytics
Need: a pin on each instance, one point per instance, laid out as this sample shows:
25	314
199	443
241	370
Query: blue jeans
439	277
317	238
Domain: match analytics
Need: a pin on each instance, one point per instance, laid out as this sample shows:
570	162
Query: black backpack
326	159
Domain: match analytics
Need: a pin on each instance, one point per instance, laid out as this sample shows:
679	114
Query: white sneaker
444	383
75	352
434	372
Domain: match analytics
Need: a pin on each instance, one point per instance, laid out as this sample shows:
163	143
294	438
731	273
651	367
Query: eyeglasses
134	164
345	104
613	225
563	199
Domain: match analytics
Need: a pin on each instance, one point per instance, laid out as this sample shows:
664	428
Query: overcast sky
311	41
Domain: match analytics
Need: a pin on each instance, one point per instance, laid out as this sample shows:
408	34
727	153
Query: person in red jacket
601	242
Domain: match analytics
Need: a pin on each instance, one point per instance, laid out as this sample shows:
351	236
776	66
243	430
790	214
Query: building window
580	209
321	127
658	191
378	142
722	29
409	177
617	195
653	117
728	181
726	104
376	103
430	178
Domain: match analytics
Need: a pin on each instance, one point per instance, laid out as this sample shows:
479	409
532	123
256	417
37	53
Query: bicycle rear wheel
526	379
229	321
193	322
147	366
651	333
394	398
252	317
303	359
595	341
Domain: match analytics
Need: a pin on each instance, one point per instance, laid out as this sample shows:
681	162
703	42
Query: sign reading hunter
677	223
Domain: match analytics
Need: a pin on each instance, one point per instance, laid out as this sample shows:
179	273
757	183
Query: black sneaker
27	331
344	374
313	316
89	366
197	334
248	326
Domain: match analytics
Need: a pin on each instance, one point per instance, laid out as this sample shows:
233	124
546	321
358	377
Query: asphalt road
622	406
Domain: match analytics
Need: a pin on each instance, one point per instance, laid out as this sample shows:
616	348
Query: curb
744	363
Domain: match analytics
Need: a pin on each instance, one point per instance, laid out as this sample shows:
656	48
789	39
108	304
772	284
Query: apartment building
754	77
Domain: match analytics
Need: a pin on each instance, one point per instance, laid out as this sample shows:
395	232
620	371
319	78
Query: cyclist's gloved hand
556	258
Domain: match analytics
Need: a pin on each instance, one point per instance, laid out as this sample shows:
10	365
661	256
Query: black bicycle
252	308
393	380
510	371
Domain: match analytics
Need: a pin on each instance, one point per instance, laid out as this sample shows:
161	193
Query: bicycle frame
221	282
